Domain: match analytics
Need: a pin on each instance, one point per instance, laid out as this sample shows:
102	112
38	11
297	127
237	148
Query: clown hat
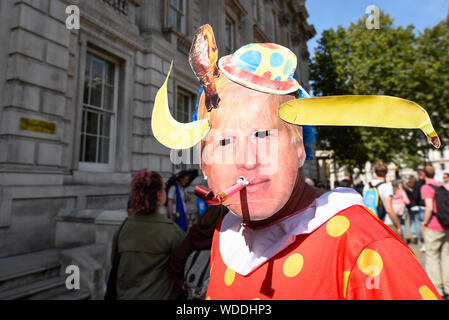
265	67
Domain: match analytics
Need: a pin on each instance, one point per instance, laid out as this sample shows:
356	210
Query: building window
99	111
177	15
184	111
256	10
184	107
229	35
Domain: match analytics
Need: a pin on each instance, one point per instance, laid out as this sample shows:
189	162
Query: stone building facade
75	105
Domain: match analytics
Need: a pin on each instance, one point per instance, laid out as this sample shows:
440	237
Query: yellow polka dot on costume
426	293
208	298
293	265
346	275
370	263
229	276
256	299
336	226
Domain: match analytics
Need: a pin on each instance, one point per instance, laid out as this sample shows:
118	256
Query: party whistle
208	196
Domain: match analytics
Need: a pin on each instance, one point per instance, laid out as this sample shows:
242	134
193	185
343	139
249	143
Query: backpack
442	200
196	274
373	201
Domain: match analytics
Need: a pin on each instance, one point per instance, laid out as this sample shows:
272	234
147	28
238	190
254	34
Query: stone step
40	290
19	271
73	295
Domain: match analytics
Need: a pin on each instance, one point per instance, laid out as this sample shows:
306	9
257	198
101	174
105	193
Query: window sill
183	42
95	167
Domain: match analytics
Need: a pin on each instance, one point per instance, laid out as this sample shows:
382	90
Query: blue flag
180	213
201	206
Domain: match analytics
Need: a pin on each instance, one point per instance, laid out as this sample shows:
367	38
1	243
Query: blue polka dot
288	66
249	61
291	75
277	79
276	60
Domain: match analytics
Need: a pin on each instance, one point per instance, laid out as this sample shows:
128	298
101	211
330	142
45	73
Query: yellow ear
364	111
168	131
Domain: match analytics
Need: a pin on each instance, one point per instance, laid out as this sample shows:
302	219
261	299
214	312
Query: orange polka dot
229	277
293	265
370	262
336	226
426	293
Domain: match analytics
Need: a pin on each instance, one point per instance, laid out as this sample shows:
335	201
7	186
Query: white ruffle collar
243	249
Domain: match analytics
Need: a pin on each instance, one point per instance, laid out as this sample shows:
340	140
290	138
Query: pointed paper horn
364	111
168	131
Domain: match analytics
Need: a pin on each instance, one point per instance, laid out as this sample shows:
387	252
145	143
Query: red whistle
208	196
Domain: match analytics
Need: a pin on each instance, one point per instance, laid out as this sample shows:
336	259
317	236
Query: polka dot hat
265	67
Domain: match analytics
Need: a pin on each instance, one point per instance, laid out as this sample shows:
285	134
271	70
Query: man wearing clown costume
284	239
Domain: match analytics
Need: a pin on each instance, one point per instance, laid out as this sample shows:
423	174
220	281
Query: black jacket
417	193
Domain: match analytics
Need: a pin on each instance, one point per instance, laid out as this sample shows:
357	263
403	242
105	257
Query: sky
326	14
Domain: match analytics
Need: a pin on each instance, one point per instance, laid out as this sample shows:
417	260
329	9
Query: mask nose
246	154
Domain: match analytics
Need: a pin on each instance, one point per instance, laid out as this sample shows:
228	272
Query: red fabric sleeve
388	270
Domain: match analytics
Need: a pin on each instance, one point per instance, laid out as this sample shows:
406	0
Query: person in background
436	237
359	188
320	185
129	210
145	242
446	180
399	203
419	205
345	183
177	211
199	238
386	195
413	215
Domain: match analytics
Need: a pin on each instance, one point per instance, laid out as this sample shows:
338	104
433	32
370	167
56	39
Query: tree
432	69
387	61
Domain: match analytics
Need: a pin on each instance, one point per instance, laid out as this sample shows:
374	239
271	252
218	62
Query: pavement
419	255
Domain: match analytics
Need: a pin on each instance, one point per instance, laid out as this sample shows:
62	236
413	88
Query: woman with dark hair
146	241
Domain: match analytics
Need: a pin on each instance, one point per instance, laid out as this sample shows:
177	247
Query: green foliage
389	61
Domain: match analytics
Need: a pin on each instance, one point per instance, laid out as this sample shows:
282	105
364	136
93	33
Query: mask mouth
209	197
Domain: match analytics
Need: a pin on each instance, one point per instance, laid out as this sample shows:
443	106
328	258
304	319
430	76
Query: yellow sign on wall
37	126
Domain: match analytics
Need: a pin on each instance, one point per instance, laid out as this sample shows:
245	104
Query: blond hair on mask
232	96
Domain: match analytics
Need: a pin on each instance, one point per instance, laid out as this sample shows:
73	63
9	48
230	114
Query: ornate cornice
117	28
237	7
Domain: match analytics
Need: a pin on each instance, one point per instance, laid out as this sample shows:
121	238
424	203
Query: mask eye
262	134
224	142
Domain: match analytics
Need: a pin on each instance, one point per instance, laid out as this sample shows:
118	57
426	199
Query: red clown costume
334	248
